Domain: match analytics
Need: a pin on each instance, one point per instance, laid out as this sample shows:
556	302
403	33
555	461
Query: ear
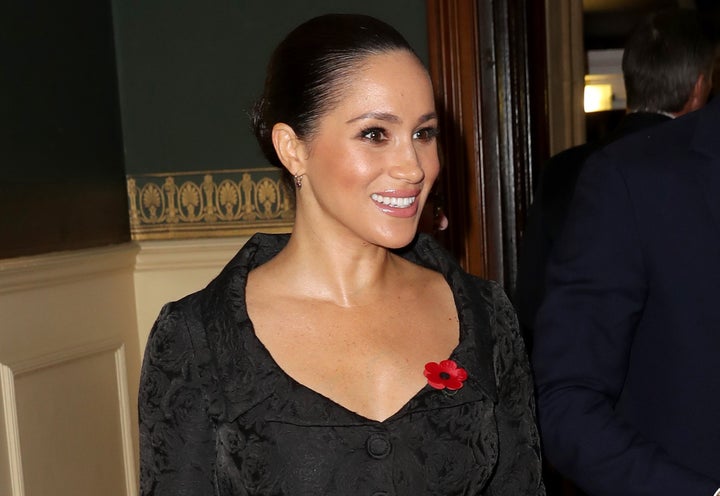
289	148
698	96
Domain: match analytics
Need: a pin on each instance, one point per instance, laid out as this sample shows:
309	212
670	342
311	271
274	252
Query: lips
394	201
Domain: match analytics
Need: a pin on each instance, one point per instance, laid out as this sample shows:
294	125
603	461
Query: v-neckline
285	376
262	248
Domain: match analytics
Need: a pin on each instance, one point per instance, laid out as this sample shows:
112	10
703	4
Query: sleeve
176	434
595	296
544	223
519	469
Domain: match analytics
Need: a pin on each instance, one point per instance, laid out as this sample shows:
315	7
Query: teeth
393	201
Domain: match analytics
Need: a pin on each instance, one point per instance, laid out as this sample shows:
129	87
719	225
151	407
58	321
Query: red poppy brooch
445	375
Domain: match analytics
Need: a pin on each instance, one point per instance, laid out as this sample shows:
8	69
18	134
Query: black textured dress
219	417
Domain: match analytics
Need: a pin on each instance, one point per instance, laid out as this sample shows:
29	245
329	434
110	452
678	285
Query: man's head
668	63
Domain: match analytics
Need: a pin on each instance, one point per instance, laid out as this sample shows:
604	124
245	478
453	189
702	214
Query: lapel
705	145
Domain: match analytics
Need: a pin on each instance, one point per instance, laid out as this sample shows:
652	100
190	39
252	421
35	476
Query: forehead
390	79
395	63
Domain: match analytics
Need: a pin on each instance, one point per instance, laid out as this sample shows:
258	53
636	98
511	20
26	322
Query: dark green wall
62	183
125	118
189	70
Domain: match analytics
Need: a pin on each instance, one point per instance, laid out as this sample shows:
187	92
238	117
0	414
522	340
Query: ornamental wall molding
208	203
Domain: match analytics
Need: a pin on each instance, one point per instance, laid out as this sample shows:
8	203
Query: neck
345	272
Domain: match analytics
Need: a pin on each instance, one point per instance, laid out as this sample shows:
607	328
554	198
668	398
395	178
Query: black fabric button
378	446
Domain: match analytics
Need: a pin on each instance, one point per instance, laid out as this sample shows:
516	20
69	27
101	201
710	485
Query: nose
406	165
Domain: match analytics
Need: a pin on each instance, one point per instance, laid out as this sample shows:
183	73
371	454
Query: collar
250	363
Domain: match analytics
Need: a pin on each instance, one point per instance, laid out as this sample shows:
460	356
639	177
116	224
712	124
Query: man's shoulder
569	159
655	145
560	172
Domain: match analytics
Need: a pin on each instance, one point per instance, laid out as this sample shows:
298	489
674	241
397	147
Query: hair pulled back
309	68
663	58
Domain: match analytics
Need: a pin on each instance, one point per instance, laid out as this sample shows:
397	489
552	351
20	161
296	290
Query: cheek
347	169
353	171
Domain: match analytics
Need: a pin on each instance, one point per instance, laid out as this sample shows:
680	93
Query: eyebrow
387	116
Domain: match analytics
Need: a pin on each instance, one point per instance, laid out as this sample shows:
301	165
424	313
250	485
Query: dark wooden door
487	62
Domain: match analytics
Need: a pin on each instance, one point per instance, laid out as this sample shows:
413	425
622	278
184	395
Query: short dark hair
663	58
308	70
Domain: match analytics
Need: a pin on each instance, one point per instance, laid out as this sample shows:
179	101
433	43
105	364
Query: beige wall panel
70	428
64	300
68	323
67	327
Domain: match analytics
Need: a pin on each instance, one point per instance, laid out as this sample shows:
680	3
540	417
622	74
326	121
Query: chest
368	359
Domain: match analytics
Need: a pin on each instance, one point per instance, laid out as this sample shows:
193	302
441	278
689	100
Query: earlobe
699	95
289	148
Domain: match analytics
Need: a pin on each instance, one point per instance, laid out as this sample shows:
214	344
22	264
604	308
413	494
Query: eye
374	134
426	134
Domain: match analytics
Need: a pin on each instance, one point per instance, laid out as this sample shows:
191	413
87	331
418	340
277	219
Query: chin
397	240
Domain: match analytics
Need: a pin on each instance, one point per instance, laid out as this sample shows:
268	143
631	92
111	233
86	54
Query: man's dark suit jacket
549	210
627	341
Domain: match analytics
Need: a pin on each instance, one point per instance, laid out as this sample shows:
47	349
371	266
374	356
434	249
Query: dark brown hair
309	69
663	58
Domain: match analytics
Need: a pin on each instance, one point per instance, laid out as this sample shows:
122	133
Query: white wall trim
63	356
12	432
125	423
18	274
187	254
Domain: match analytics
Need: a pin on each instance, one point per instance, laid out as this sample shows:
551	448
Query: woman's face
372	159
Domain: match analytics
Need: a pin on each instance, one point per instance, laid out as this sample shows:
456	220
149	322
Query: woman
352	356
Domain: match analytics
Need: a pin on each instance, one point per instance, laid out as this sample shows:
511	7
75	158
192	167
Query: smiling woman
377	141
303	367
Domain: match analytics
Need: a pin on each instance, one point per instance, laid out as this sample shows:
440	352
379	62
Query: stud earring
298	180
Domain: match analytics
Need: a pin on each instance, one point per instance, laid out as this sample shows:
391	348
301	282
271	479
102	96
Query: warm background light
598	97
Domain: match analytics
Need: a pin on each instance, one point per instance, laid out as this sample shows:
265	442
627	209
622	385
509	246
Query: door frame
488	65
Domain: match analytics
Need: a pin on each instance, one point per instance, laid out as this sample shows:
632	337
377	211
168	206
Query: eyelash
429	133
365	134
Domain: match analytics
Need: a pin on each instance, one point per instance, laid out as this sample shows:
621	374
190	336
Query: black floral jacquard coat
218	417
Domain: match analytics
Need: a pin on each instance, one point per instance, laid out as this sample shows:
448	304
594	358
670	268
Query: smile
395	202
